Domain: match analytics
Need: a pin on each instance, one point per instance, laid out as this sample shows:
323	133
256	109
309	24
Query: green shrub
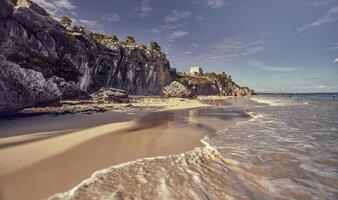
66	21
155	46
130	40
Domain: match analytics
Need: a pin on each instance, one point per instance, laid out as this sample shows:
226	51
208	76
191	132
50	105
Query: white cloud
316	3
91	24
334	47
230	48
199	17
144	9
111	17
330	16
274	68
155	30
214	4
177	15
218	53
335	61
55	5
178	34
195	45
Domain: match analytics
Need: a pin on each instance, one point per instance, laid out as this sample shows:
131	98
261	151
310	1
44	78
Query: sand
45	155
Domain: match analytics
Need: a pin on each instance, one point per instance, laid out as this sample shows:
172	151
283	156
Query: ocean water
287	149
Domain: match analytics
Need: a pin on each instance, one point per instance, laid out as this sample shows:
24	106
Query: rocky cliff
31	38
43	60
207	84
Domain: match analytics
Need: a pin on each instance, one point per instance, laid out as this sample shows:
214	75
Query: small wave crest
274	102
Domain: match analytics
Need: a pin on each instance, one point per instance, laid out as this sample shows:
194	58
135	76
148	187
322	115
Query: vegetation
222	77
66	21
155	46
102	38
114	38
143	46
130	40
194	80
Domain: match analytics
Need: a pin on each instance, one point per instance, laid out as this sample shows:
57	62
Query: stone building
196	71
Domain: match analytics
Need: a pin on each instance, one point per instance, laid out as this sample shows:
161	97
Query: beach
44	155
260	147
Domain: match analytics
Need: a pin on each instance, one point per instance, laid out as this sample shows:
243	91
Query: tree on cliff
130	40
66	21
155	46
114	38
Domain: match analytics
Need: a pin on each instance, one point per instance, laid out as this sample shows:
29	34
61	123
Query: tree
143	46
114	38
130	39
66	21
155	46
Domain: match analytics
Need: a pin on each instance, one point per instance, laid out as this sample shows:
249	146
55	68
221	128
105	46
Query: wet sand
42	159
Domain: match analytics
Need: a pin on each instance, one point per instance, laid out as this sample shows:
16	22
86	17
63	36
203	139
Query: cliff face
43	60
31	38
21	88
208	84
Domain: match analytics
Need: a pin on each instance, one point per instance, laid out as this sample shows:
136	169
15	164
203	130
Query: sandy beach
44	155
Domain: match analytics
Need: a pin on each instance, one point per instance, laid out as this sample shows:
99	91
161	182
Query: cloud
217	53
214	4
263	66
231	48
144	9
111	17
155	30
177	15
91	24
195	45
55	6
178	34
199	17
335	61
330	16
312	78
316	3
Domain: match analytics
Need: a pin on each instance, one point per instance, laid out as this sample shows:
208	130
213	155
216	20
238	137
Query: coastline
45	166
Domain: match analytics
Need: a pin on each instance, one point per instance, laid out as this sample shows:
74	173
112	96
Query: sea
277	146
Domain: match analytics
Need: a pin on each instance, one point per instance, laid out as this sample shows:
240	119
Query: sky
268	45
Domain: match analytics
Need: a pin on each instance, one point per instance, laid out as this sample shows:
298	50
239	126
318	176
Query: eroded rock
22	88
110	95
177	89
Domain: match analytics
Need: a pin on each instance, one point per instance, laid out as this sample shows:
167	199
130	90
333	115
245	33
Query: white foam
272	102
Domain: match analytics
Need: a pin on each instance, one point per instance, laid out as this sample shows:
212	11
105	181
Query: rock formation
207	84
110	95
21	88
44	60
177	89
30	37
77	60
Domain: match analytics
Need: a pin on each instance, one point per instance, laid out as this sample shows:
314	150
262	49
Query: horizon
269	46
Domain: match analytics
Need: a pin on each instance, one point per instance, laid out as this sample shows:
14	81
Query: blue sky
268	45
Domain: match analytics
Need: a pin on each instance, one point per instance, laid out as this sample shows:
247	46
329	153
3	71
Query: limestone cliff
44	60
31	38
207	84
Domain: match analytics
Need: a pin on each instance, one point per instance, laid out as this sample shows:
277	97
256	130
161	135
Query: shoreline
75	147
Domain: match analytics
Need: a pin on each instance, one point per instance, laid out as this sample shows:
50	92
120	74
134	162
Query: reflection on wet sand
33	174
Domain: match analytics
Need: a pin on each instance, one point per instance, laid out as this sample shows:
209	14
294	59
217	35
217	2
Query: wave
273	102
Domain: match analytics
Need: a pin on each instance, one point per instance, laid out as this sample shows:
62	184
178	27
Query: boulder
177	89
69	90
22	88
110	95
